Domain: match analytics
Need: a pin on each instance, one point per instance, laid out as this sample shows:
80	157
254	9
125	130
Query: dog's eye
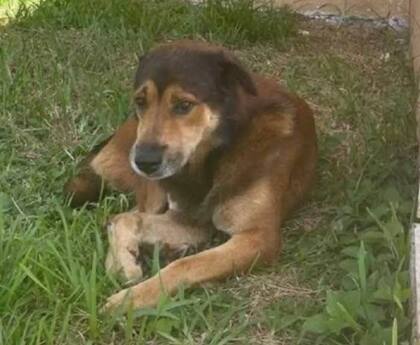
141	104
182	107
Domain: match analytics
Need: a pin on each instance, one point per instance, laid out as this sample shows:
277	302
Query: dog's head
186	95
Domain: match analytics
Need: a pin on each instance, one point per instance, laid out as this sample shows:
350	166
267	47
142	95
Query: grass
66	70
9	7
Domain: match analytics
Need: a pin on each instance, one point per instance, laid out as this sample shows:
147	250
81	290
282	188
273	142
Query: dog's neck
190	186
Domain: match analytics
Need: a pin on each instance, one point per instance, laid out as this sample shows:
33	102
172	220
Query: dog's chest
186	192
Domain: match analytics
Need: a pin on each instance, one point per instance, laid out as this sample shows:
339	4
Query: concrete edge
414	17
415	279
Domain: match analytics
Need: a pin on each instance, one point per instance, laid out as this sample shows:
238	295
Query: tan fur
181	134
112	164
251	216
128	230
263	175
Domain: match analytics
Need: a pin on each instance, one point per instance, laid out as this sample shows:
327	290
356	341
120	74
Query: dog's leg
252	219
108	165
235	256
127	231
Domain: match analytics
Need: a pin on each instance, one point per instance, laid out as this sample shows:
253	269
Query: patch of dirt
263	289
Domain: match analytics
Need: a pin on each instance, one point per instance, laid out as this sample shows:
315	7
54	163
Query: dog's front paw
142	295
121	301
123	252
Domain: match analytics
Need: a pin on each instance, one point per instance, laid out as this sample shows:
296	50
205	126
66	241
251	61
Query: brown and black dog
212	147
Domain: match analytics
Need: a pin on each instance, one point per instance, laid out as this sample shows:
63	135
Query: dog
212	148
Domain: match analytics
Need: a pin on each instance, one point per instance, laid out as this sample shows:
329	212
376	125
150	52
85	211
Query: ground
65	81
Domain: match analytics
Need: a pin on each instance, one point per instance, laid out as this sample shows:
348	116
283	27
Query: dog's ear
235	74
140	61
140	57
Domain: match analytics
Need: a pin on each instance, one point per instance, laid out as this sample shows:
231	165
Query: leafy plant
368	306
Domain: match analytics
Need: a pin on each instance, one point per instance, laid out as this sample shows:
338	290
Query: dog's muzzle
148	158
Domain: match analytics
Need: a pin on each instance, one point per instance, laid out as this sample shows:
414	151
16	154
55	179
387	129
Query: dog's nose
148	157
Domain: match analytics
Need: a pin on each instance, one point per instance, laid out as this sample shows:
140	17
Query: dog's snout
148	157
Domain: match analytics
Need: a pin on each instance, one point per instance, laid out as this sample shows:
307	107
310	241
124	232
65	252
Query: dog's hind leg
108	165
